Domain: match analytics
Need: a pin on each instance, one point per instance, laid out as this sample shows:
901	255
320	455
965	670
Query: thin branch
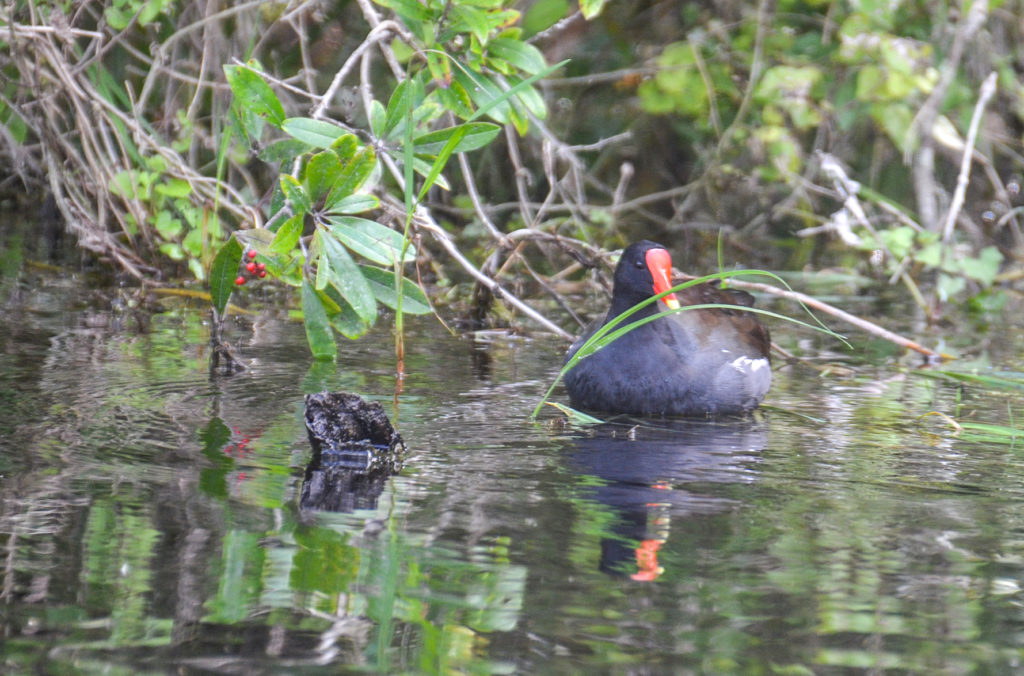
842	315
988	89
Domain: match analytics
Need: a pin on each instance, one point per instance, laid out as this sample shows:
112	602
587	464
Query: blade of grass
615	328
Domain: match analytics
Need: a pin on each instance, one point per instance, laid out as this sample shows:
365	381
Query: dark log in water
355	449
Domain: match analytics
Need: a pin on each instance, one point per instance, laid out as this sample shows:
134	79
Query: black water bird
704	363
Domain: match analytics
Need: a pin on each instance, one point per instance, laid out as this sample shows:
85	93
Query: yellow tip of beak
671	301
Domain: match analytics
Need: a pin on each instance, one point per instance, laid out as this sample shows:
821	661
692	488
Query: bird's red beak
659	262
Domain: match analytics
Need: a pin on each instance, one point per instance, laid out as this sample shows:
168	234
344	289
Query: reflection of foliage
326	562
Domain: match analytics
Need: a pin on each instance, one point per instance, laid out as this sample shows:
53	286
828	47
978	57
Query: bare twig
988	89
842	315
423	220
924	160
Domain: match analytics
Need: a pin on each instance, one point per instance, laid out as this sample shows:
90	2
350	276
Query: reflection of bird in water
642	470
355	449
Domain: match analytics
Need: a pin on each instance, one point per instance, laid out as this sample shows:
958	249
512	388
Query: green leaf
485	94
223	273
355	204
489	97
382	284
985	267
473	20
149	11
948	286
168	227
287	236
574	416
408	95
316	133
474	135
254	94
346	146
427	170
346	277
353	175
344	318
377	117
529	97
591	8
255	238
322	172
175	187
454	98
318	329
523	56
410	11
441	160
295	193
117	18
370	239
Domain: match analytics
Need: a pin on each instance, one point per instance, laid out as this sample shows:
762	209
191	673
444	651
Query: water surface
149	515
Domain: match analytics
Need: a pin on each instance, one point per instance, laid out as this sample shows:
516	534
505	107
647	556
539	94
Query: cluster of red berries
252	267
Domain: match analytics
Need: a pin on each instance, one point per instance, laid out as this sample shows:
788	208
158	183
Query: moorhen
710	362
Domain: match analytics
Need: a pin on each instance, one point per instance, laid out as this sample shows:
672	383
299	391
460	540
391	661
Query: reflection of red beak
659	262
648	569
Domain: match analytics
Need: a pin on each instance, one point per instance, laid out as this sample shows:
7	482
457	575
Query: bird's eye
640	264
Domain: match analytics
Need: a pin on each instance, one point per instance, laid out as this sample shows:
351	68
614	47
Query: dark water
149	516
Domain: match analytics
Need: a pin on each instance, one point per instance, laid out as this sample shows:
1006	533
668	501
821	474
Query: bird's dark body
709	362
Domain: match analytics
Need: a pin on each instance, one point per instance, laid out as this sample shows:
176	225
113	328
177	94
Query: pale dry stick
165	46
756	65
558	27
97	240
558	298
600	78
382	31
520	172
626	172
63	31
81	90
709	86
373	18
474	197
283	84
848	189
899	215
988	89
423	219
600	144
95	144
193	106
924	120
842	315
307	65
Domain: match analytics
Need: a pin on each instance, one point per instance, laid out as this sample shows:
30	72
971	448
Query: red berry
239	280
261	266
251	267
251	253
263	273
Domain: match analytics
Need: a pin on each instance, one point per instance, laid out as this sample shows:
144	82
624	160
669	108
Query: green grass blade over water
612	330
